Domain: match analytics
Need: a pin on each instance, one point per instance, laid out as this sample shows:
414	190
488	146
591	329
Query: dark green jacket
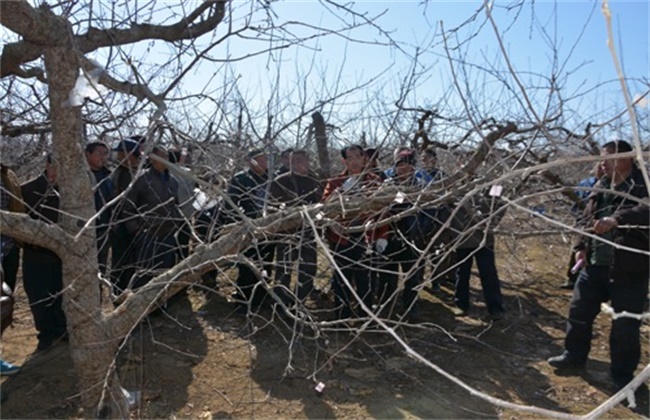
616	203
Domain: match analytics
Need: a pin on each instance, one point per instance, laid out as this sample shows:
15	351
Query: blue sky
326	66
583	64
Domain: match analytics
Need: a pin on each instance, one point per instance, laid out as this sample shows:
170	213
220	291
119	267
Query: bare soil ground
205	360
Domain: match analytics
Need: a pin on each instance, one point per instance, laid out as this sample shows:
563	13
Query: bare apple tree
519	134
48	75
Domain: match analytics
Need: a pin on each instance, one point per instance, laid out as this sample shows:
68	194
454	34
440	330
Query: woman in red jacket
350	249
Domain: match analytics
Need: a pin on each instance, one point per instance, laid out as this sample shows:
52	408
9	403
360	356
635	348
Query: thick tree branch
40	27
34	232
36	26
140	91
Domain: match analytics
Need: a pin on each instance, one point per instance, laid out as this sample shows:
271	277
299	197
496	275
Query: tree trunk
92	347
318	123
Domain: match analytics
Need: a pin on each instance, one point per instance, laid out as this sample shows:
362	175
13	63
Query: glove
380	245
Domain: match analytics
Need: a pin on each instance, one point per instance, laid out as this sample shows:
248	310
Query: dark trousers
122	259
183	238
398	254
103	247
442	260
488	274
353	264
592	288
627	292
153	254
304	253
10	263
43	283
571	278
262	257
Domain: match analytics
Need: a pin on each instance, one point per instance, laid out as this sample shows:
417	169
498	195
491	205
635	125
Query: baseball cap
128	146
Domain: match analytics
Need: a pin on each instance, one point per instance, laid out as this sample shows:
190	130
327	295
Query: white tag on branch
399	197
203	201
86	86
320	387
496	191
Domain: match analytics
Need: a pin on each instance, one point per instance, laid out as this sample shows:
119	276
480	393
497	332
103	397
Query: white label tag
496	191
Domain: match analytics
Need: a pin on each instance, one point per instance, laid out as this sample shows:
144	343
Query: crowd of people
154	219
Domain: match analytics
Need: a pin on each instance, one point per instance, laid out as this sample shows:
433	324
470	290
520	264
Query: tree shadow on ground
279	364
263	351
504	359
367	369
45	387
156	361
158	358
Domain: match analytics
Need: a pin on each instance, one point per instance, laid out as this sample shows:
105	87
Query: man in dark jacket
247	190
610	273
285	162
293	189
11	258
97	158
42	270
474	222
372	155
429	159
402	239
153	217
6	245
122	242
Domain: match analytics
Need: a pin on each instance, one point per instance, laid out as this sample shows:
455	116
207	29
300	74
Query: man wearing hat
420	174
247	190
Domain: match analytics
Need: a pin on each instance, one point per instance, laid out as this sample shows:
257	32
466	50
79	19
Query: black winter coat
247	190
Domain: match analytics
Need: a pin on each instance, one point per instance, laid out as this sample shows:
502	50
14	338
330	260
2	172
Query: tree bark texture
320	133
92	348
